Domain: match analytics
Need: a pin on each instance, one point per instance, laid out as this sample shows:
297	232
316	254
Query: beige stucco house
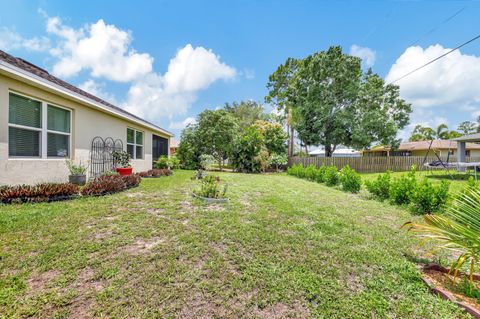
44	120
422	148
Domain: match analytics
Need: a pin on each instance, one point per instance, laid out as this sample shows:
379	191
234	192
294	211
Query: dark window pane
23	142
130	150
139	152
23	111
139	140
130	136
58	119
58	145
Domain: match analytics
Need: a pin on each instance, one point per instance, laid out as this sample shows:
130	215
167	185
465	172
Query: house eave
32	79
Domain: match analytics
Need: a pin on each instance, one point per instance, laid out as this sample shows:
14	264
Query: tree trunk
290	141
328	150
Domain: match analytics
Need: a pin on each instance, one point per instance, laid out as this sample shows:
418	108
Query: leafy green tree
246	112
441	132
215	133
274	136
337	104
245	156
188	151
467	127
282	93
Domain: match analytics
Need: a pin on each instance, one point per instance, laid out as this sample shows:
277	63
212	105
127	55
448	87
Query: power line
436	59
437	26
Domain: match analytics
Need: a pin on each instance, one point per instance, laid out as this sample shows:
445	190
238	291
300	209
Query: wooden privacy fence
373	164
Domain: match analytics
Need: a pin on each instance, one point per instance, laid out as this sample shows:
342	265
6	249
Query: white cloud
98	89
451	80
367	55
191	70
182	124
102	49
11	40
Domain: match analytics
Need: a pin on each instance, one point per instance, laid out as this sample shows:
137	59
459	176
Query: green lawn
283	247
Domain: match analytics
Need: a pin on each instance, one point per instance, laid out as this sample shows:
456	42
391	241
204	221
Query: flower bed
49	192
211	191
157	172
44	192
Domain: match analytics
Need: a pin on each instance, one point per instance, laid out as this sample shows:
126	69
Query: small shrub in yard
210	187
156	172
311	172
132	180
295	170
43	192
380	187
162	162
350	180
331	176
402	189
429	198
102	185
320	177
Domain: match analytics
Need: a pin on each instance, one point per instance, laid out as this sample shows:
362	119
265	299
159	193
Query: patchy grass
282	247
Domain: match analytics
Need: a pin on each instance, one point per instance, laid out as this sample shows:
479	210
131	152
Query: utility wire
436	59
437	26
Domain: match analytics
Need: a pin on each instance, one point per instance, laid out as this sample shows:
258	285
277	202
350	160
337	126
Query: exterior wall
87	123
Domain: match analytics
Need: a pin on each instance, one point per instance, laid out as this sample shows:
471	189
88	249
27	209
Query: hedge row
348	179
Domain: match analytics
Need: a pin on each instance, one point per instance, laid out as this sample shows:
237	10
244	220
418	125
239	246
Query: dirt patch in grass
281	310
142	246
39	281
85	286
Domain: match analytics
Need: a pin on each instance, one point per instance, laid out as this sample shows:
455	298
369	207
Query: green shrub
320	177
311	172
331	176
402	189
380	187
429	198
162	162
350	180
173	162
210	187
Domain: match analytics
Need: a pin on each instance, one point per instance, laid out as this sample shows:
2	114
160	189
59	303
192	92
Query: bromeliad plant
458	229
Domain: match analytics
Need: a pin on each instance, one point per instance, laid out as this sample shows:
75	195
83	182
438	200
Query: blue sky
167	60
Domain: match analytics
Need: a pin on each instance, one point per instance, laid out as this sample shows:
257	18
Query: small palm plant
458	229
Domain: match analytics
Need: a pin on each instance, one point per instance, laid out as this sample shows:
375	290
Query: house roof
424	145
468	138
30	69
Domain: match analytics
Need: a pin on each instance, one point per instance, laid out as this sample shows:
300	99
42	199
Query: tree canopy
333	102
425	133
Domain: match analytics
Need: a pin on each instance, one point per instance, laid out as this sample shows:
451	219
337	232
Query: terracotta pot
124	171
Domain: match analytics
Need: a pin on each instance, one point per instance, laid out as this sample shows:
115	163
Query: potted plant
77	173
122	163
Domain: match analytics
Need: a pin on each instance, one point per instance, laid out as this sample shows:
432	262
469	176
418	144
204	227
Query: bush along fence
373	164
422	197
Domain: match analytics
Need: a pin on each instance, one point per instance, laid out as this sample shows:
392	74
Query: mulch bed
438	279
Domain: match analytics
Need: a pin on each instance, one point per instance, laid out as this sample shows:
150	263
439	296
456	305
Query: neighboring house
339	152
173	146
44	120
420	148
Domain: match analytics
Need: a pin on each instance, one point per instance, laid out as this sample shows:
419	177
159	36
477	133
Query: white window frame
43	130
134	144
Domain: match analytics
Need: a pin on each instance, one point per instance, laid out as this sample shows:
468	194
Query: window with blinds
37	129
135	143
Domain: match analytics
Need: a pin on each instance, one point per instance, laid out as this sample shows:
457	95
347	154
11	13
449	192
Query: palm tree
442	132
